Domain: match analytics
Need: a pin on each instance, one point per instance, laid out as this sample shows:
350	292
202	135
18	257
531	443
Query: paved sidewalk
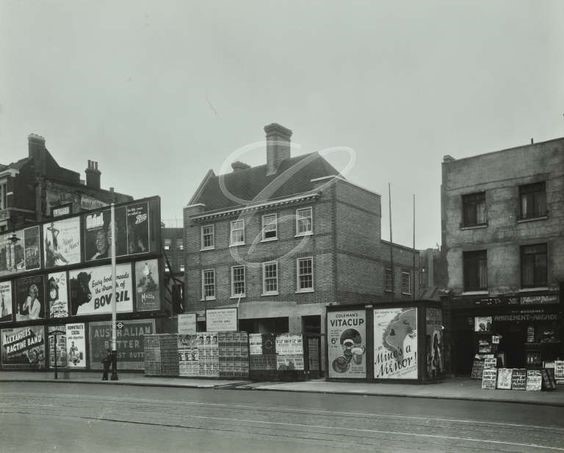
455	388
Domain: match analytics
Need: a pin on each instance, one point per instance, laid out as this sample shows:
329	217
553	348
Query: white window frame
268	227
182	268
179	244
244	281
307	289
264	279
203	235
404	274
204	285
299	218
167	244
233	229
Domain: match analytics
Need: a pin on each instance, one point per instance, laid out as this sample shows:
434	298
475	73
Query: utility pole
114	302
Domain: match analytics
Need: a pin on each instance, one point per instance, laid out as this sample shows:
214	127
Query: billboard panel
346	344
58	332
30	298
147	285
91	290
434	342
76	345
395	343
61	241
23	347
129	343
98	234
6	309
221	319
19	251
57	294
138	228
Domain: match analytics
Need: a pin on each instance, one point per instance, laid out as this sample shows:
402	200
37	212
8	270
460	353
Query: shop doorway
512	344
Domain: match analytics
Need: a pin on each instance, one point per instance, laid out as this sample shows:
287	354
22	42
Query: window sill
238	296
474	227
532	219
305	291
406	294
205	249
536	288
273	293
269	239
475	293
208	299
389	291
299	235
238	244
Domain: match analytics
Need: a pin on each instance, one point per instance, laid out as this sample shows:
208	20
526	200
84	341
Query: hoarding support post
114	376
55	355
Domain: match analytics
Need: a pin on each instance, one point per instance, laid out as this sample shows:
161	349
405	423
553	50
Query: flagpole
391	239
113	299
414	248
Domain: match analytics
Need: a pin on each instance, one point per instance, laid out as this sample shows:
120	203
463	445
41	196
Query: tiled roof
293	177
15	165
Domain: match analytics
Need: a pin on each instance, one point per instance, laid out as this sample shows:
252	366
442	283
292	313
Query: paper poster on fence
346	344
76	346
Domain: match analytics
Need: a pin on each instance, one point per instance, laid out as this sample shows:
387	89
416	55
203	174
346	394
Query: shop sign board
504	378
91	290
221	319
23	347
395	343
490	362
519	379
540	299
489	379
129	342
76	345
346	344
187	323
559	371
534	381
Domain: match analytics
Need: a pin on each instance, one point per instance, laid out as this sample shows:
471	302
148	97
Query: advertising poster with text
346	344
19	251
395	343
57	295
147	285
98	234
91	290
5	301
61	242
130	349
30	298
434	342
23	347
138	228
76	346
59	333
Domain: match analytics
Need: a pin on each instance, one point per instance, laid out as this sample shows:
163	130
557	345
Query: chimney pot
93	175
277	146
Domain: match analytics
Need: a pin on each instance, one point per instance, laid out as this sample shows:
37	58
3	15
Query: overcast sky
158	92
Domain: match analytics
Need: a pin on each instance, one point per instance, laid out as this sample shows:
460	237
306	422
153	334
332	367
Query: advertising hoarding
147	285
434	342
346	343
98	234
19	251
138	228
129	342
76	346
91	290
30	298
57	295
60	333
6	309
61	242
187	323
23	347
395	343
289	352
221	319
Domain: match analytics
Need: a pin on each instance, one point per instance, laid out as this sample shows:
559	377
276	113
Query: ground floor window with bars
305	274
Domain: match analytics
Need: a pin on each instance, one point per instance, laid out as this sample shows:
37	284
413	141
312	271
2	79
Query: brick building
283	240
35	187
503	238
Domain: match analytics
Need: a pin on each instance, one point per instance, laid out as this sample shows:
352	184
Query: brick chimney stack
277	146
93	175
36	152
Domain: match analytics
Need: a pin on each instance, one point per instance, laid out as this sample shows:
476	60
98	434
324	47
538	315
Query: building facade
503	239
284	240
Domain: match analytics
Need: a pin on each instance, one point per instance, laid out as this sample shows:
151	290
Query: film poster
147	285
57	295
62	242
58	333
129	342
395	343
98	234
6	301
23	347
138	228
30	298
91	290
346	348
434	342
76	346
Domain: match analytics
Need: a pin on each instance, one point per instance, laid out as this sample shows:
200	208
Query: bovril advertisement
346	334
91	290
395	343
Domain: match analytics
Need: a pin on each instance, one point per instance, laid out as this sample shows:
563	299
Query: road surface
54	417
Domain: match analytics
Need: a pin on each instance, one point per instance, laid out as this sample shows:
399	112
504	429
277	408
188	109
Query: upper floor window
3	195
269	227
208	284
270	278
532	198
208	237
474	209
304	221
388	280
180	244
237	232
475	269
533	266
167	243
238	281
406	282
305	274
182	267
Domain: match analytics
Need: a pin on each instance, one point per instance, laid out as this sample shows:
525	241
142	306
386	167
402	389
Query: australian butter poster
346	334
395	343
91	290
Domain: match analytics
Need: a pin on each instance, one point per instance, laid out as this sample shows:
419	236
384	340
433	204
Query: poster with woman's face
98	234
61	242
138	228
57	295
5	301
30	298
147	285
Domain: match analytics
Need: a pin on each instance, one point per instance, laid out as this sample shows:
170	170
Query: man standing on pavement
106	361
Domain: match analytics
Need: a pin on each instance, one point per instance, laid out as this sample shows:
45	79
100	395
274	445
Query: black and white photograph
281	226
